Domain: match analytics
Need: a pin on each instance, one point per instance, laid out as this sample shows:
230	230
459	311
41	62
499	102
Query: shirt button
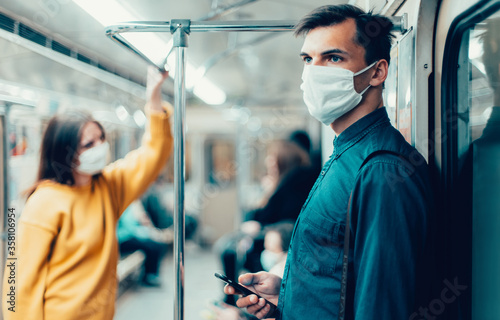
323	173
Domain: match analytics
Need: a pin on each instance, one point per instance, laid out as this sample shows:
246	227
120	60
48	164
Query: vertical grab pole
180	31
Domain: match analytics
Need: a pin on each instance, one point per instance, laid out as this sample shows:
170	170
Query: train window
400	83
24	138
478	147
405	89
391	87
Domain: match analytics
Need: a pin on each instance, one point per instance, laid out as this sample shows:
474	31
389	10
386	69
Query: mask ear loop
360	72
363	92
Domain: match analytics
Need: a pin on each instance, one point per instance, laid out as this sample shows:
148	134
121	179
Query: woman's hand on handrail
155	80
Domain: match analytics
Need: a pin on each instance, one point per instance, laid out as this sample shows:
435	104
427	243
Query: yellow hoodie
66	253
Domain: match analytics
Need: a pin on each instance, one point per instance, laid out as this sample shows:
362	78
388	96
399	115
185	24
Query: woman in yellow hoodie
64	264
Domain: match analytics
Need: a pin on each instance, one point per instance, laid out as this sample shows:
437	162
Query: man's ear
381	71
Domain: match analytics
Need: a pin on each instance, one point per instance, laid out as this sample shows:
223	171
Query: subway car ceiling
55	54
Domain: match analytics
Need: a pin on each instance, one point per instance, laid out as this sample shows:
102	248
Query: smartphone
241	288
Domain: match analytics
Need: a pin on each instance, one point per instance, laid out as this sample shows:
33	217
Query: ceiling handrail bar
114	31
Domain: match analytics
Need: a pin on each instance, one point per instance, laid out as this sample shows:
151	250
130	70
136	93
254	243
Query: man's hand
153	89
266	285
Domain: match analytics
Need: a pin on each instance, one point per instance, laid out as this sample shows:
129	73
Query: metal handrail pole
180	42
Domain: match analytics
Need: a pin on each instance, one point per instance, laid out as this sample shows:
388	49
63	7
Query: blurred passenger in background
301	138
288	181
160	214
276	242
135	231
67	250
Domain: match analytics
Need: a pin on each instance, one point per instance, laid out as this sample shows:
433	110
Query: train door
470	118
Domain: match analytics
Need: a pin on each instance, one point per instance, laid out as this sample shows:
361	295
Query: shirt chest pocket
319	244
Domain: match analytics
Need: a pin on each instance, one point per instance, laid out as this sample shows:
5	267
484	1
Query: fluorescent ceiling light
202	87
108	12
209	92
150	44
122	113
140	118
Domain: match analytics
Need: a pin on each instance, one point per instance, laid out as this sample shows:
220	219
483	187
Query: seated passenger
160	214
135	231
66	247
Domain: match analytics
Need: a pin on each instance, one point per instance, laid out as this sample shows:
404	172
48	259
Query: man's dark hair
373	30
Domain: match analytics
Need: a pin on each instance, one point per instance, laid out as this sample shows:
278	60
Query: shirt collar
358	130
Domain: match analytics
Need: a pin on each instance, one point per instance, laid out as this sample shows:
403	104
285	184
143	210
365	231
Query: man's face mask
93	160
329	91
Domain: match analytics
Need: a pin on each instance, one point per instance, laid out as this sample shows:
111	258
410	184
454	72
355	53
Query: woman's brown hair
59	145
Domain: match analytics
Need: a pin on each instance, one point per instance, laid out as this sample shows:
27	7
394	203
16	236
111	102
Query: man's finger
263	312
247	301
247	279
254	309
229	289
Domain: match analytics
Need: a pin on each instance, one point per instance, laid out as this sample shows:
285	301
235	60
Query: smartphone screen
239	287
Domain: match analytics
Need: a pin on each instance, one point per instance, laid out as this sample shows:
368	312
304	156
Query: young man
374	177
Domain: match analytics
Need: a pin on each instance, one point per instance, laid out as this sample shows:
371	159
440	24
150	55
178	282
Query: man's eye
335	59
307	59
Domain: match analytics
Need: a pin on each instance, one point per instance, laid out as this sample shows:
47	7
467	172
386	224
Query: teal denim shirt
391	218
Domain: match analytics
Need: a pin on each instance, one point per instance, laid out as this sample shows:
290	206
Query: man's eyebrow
324	53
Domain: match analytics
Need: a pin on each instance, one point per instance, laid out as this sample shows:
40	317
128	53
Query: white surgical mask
93	160
329	91
269	259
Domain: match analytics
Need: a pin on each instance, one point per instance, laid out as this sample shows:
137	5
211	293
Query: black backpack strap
345	262
347	233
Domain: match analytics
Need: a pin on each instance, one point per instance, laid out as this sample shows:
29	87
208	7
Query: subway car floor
201	289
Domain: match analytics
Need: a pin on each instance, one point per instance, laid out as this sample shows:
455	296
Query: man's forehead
340	36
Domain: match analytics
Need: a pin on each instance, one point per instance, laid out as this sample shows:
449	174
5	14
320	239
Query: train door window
221	162
478	148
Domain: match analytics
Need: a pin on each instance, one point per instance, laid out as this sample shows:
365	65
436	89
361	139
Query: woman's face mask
269	259
93	160
329	91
